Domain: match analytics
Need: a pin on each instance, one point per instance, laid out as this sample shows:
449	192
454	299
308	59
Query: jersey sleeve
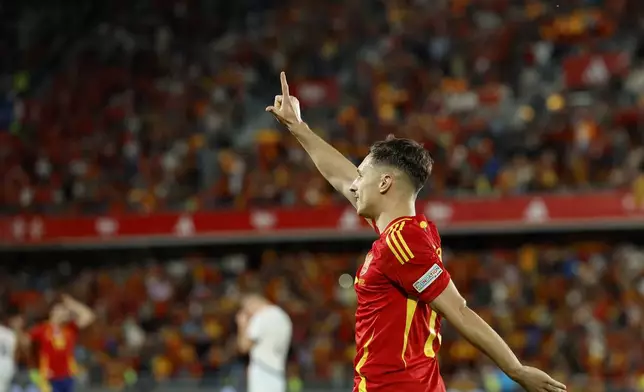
36	333
254	328
414	262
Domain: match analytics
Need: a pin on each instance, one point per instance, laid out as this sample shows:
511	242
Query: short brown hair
404	154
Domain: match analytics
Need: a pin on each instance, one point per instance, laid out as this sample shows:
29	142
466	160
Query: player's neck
391	214
262	306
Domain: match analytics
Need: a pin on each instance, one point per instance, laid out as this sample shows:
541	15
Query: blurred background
141	175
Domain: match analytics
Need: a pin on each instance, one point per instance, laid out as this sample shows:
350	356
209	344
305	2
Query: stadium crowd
575	310
166	112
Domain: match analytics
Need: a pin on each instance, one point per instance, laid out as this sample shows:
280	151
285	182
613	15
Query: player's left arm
83	315
248	331
451	305
416	266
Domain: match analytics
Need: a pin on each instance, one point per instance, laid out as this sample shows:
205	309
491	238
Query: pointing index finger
284	84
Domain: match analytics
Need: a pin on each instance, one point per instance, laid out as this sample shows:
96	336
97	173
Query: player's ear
386	180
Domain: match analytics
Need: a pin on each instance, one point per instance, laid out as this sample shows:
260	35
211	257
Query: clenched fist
286	109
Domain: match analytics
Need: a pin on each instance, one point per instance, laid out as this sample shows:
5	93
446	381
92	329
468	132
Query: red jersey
397	332
55	349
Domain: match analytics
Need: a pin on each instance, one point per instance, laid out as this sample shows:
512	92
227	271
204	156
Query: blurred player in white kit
10	332
264	331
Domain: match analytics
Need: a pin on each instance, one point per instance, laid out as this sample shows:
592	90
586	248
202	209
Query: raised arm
335	167
83	315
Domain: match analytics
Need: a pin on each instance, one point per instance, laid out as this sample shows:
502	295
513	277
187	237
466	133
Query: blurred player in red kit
55	341
403	288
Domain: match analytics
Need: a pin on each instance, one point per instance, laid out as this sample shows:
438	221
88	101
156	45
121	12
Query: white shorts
265	380
5	385
6	376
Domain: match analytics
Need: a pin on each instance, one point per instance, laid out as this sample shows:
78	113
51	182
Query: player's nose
353	188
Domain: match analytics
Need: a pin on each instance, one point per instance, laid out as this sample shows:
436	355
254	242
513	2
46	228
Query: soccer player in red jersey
55	341
403	288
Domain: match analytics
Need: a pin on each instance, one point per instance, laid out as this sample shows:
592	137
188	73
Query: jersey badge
428	278
366	264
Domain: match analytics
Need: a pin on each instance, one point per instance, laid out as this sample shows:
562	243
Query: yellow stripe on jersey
395	223
393	248
409	317
402	240
429	344
398	245
362	387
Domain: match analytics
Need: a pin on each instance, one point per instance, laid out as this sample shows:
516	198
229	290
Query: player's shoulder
38	331
282	312
270	312
279	314
7	333
417	229
272	316
406	237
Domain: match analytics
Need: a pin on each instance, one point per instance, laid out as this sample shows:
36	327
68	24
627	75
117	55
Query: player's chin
362	212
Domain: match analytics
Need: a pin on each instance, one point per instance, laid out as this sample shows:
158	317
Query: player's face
248	306
59	314
366	189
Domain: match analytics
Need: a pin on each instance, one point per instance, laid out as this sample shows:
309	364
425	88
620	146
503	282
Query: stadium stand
152	114
574	308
